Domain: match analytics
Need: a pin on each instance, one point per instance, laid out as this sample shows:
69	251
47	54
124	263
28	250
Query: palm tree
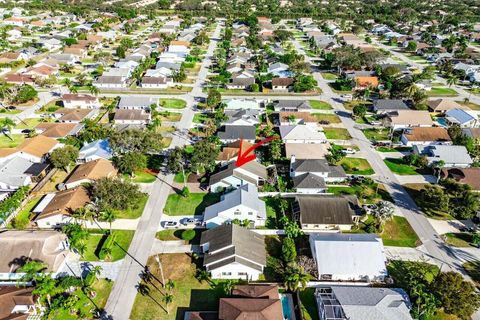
107	251
44	287
143	289
109	216
228	287
170	285
438	165
411	89
93	90
96	271
452	79
384	211
31	270
7	124
73	89
203	275
295	277
168	298
81	248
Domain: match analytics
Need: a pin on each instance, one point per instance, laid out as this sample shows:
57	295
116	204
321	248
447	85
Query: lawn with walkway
377	134
337	134
193	204
96	239
329	76
172	103
442	92
358	166
320	105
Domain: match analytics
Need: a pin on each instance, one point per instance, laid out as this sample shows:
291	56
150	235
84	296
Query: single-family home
279	69
230	151
285	118
461	117
13	174
131	117
403	119
388	105
231	133
20	246
470	176
58	130
74	115
159	82
19	303
137	103
443	105
366	82
425	136
362	303
318	167
291	105
57	210
302	134
98	149
233	252
282	84
89	172
240	83
110	82
232	176
326	212
349	257
34	149
452	156
78	100
242	204
62	58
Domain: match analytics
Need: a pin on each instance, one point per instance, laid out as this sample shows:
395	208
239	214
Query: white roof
242	104
43	203
349	254
302	132
12	172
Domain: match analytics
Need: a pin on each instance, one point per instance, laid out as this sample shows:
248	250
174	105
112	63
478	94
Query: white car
170	224
191	222
349	151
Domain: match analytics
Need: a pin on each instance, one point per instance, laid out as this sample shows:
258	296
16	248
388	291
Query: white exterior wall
76	183
141	122
232	270
52	221
312	141
82	104
326	227
310	190
155	85
240	212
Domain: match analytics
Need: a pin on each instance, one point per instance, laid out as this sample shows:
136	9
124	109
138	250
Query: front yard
397	232
96	239
463	239
377	134
172	103
134	213
357	166
11	140
337	134
414	190
330	117
442	92
141	177
193	204
320	105
398	166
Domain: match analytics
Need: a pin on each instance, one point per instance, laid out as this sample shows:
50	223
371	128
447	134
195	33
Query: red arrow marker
244	157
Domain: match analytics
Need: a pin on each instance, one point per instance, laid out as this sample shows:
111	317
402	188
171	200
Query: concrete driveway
450	226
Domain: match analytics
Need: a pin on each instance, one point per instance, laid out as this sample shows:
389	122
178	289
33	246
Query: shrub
108	244
185	192
188	235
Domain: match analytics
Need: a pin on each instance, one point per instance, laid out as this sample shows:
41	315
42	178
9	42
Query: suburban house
89	172
110	82
67	115
326	212
248	117
291	105
232	176
233	252
240	83
349	257
282	84
461	117
18	172
242	204
425	136
306	150
388	105
136	103
34	149
131	117
443	105
251	301
366	82
243	104
470	176
452	156
18	303
286	118
302	134
318	167
232	133
98	149
403	119
158	82
57	209
230	151
362	303
20	246
58	130
82	101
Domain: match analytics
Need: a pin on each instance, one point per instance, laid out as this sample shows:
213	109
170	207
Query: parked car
170	224
191	222
349	151
324	122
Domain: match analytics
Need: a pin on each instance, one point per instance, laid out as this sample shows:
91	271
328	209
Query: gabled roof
65	202
252	309
253	167
411	118
232	132
301	132
100	148
444	104
326	209
309	181
58	130
427	134
390	104
286	105
310	165
459	116
92	170
37	146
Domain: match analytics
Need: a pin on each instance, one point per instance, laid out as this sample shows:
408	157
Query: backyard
337	134
22	219
193	204
357	166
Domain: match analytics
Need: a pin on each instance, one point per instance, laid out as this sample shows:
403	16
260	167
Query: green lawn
398	166
458	239
393	149
357	166
366	193
11	141
6	111
329	76
337	134
377	134
200	117
176	234
442	92
22	219
320	105
194	204
415	191
102	287
397	232
308	304
119	248
178	178
28	123
135	213
473	270
141	177
172	103
169	116
330	117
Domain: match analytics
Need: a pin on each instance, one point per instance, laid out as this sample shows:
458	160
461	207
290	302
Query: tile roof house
453	156
89	172
443	105
50	247
58	211
366	82
302	134
470	176
232	176
326	212
425	136
98	149
18	303
362	303
58	130
233	252
35	149
403	119
349	257
242	204
66	115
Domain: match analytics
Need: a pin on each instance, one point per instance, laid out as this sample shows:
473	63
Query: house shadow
202	300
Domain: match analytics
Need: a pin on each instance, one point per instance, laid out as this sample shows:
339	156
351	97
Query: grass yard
178	178
194	204
308	304
171	234
320	105
397	232
349	105
459	239
366	193
357	166
102	287
11	140
393	149
169	116
414	190
337	134
470	105
22	219
58	177
28	123
135	213
398	166
189	293
329	76
8	111
442	92
172	103
330	117
119	248
200	117
377	134
141	177
162	129
473	270
166	141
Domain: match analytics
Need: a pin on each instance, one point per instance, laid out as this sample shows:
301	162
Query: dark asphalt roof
326	209
390	104
309	181
236	132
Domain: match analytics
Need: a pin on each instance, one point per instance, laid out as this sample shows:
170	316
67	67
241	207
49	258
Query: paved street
120	302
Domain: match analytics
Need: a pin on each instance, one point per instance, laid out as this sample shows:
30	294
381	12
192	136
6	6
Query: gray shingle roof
309	181
390	104
311	165
236	132
325	209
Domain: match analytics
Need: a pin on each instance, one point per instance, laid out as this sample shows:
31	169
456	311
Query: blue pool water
442	122
287	313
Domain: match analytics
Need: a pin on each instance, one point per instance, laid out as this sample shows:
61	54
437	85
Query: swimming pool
442	122
287	306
